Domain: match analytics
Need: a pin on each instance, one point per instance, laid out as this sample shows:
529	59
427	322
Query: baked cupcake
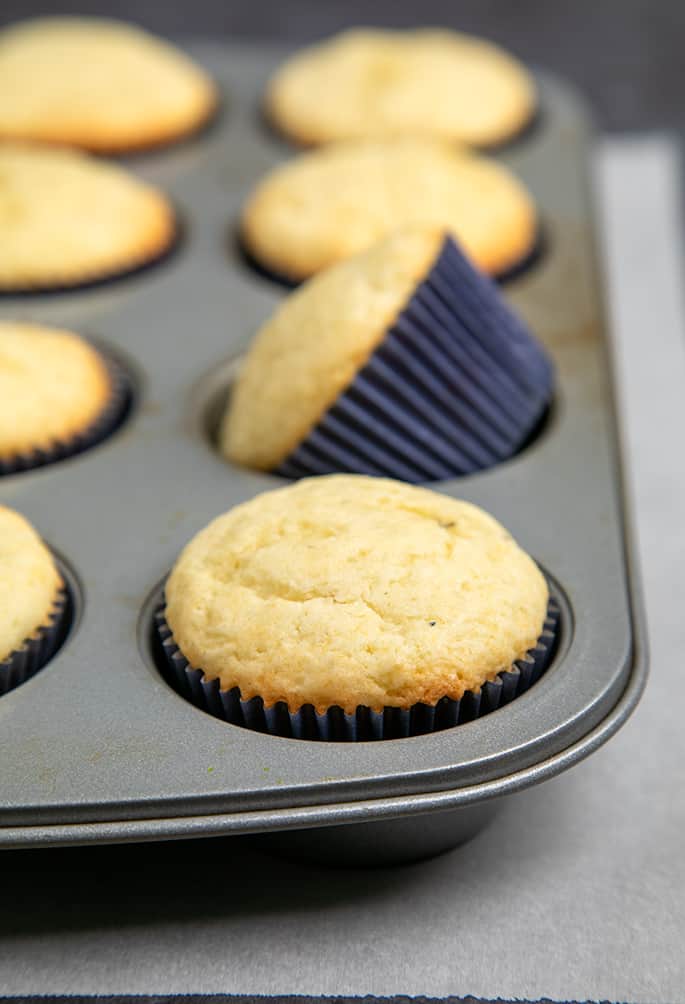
98	84
58	395
402	361
369	84
321	207
32	601
352	607
68	219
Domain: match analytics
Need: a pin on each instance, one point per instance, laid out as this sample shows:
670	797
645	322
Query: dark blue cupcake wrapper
109	419
364	724
37	650
457	385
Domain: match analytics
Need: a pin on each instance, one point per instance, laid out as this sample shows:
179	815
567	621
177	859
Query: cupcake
368	84
58	395
32	601
98	84
353	607
68	219
326	205
402	361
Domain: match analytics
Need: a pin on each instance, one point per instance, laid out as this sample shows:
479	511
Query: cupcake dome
97	84
369	83
402	361
324	206
68	219
350	591
29	584
54	387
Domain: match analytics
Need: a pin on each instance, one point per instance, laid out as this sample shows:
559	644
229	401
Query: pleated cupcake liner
109	419
457	385
37	650
364	724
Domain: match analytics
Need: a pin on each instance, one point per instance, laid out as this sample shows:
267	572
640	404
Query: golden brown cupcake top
53	386
348	591
98	84
370	84
326	205
68	218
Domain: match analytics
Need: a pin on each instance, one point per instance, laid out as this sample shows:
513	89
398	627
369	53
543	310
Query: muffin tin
98	747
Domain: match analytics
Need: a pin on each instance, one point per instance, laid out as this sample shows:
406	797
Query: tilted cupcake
68	219
368	83
402	361
321	207
32	601
58	395
354	608
98	84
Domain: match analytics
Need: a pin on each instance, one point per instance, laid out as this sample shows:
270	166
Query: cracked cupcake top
347	590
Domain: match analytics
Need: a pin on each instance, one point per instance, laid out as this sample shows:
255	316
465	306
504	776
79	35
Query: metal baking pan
97	747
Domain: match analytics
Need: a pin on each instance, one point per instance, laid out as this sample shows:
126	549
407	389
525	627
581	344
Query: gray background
577	889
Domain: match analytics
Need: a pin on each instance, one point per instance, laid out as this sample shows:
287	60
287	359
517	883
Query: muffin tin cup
457	385
37	650
364	724
109	419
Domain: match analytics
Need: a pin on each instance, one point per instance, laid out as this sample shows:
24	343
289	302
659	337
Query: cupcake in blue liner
348	608
34	603
59	396
404	361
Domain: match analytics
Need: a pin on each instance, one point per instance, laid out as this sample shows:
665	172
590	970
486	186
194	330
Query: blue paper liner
457	385
363	725
110	418
37	650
